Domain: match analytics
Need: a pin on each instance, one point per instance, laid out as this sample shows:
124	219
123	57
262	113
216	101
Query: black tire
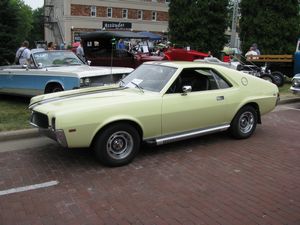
51	88
244	123
117	145
267	77
278	78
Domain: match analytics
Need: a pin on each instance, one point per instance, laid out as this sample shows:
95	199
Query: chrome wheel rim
277	79
119	145
246	122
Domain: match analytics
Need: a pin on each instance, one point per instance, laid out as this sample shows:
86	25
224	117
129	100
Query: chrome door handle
220	98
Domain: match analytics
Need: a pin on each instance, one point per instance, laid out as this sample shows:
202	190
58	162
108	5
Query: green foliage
37	33
18	23
14	114
8	30
272	24
198	23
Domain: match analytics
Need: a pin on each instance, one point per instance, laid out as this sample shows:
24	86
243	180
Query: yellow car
158	103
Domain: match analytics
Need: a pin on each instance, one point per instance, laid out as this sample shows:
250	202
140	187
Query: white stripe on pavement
28	188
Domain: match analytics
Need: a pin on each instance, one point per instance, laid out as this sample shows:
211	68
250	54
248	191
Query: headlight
85	82
296	82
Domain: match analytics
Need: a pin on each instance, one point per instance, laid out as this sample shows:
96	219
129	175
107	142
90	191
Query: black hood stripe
59	98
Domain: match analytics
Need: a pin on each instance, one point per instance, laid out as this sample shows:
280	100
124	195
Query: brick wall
85	10
80	10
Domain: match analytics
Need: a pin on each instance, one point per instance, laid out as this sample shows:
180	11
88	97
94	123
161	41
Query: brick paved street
210	180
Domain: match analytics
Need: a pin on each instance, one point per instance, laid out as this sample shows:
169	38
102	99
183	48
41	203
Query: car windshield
56	58
149	77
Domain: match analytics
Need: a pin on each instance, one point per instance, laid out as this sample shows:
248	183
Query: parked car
295	88
100	48
158	103
52	71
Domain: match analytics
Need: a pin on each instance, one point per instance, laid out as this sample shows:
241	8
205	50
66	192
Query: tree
37	32
15	26
198	23
274	26
8	10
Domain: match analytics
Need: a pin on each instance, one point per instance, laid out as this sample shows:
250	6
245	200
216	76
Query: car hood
87	98
89	71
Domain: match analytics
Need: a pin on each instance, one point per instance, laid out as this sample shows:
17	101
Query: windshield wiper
138	86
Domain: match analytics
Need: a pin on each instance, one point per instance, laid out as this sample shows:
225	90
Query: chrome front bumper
295	90
57	135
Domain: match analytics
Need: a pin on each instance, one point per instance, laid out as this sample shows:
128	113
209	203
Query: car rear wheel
244	123
51	88
117	145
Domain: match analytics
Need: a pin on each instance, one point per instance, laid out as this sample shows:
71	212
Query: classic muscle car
52	71
158	103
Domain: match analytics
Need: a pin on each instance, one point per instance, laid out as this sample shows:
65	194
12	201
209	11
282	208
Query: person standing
80	51
251	54
121	44
51	46
23	54
255	48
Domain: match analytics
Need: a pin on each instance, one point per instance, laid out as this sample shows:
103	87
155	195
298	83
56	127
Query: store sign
116	25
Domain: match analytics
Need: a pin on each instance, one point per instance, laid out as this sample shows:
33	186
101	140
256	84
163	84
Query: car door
17	81
204	107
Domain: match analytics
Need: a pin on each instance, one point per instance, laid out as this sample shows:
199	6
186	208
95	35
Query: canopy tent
112	34
151	36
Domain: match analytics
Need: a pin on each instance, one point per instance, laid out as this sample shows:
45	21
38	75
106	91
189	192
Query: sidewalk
31	133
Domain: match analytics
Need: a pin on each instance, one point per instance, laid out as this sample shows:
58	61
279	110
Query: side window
200	79
220	81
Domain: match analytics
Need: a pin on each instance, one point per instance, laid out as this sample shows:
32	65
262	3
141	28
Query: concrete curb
289	100
31	133
19	134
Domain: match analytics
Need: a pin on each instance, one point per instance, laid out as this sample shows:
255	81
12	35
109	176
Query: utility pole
234	23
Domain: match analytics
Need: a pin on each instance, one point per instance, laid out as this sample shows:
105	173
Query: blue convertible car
52	71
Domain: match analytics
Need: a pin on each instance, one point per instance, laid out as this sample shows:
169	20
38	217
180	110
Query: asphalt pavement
212	180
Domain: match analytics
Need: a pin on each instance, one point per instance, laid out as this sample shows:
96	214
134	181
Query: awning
112	34
150	35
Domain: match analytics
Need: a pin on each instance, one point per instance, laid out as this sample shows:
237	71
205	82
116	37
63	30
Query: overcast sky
34	3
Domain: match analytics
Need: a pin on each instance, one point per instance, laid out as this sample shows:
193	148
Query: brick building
66	20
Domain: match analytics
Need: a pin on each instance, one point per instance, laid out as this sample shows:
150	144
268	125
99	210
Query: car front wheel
244	123
117	145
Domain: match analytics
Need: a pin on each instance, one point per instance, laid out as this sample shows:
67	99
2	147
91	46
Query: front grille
39	120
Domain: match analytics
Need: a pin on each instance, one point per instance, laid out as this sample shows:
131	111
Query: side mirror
186	89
